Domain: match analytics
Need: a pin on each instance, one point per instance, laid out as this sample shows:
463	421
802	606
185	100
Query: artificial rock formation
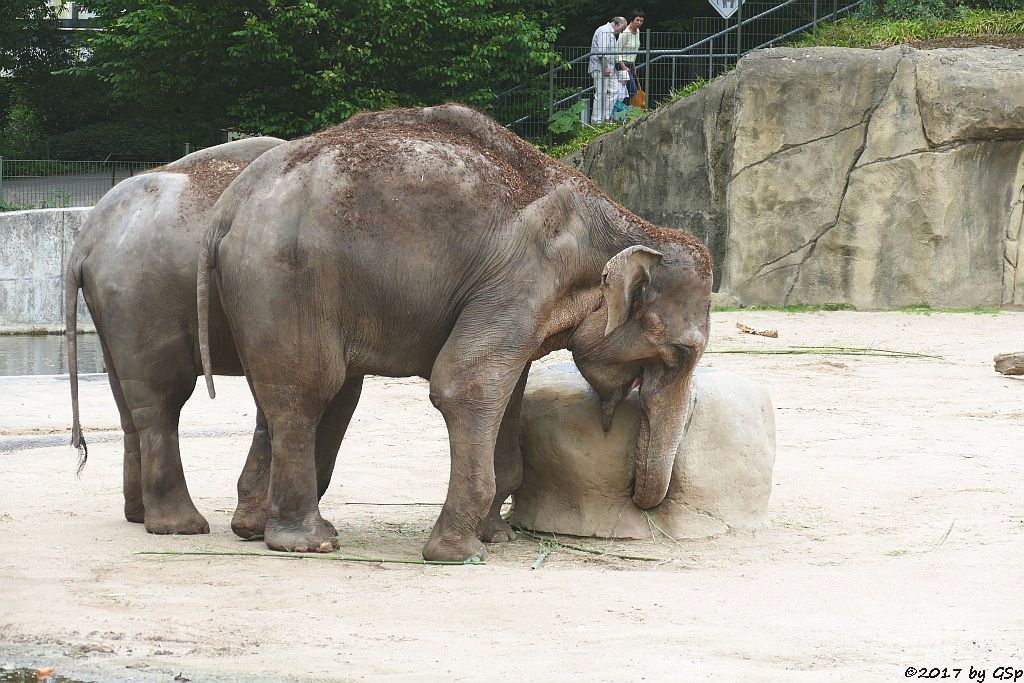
878	178
577	479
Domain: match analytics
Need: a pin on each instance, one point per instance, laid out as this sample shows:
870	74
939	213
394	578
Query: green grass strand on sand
925	309
303	556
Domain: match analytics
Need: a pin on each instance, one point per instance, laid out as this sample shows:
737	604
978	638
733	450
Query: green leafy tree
169	62
29	36
319	62
35	99
286	67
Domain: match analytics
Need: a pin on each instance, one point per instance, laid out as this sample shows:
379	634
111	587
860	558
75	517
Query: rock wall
830	175
34	246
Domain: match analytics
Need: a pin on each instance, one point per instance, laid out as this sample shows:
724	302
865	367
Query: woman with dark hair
628	46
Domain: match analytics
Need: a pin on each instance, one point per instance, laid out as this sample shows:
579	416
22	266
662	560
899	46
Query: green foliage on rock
579	142
928	9
876	32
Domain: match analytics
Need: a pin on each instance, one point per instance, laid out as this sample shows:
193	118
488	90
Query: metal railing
666	62
42	184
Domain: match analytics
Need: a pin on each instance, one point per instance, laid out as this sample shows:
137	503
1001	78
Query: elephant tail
207	262
72	283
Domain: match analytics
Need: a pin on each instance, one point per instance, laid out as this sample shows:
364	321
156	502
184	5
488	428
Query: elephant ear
624	282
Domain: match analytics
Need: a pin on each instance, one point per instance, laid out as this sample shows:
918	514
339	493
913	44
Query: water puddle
29	354
34	676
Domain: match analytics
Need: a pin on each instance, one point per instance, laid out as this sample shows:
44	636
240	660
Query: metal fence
42	184
666	62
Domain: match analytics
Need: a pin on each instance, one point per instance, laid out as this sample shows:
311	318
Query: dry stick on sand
300	556
761	333
1010	363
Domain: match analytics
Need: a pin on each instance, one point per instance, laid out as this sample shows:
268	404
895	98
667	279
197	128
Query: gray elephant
135	261
433	242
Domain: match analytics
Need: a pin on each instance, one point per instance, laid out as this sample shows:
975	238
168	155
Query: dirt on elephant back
209	178
373	140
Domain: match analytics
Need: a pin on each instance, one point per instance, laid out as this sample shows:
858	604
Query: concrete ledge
34	250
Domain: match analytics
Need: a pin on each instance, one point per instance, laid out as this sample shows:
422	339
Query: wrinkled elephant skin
433	242
135	260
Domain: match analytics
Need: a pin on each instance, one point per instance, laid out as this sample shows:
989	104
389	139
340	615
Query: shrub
21	136
117	138
928	9
874	32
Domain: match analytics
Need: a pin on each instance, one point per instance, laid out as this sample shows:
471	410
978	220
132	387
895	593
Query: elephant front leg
508	467
471	384
472	434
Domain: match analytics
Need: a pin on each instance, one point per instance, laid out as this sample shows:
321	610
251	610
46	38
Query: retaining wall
34	248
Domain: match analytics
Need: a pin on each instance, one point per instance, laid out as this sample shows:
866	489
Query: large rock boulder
578	480
878	178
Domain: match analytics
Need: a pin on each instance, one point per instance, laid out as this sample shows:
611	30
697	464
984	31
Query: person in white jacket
603	56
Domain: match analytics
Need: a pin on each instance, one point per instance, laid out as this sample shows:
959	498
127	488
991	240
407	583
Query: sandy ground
895	541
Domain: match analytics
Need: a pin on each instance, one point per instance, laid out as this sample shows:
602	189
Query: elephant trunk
664	403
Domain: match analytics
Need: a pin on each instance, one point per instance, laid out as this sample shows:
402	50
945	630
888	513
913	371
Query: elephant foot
323	538
469	550
187	522
250	523
493	529
134	512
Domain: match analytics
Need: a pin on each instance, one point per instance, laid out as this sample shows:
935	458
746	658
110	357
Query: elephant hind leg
155	408
131	487
295	387
250	519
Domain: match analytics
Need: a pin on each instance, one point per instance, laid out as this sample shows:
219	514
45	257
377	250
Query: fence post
711	57
739	31
647	73
814	21
551	100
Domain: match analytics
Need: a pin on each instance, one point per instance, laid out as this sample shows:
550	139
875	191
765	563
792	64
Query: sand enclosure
895	539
